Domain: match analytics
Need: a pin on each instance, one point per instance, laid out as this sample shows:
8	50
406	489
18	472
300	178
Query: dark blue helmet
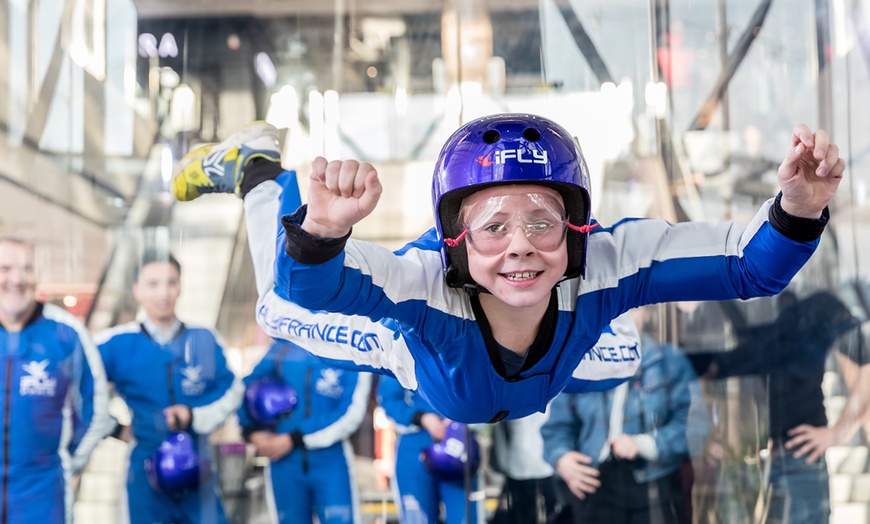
268	399
174	467
446	459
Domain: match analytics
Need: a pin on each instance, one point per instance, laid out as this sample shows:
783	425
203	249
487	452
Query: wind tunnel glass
490	224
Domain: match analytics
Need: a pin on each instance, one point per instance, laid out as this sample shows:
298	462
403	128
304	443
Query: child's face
516	246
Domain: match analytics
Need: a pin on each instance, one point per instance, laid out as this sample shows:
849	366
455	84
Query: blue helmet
446	459
509	149
174	467
268	399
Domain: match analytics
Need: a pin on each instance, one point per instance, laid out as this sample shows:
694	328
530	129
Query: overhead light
183	111
283	111
315	122
331	140
234	42
265	69
147	45
168	46
166	163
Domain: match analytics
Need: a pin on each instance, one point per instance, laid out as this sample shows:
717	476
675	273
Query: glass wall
684	110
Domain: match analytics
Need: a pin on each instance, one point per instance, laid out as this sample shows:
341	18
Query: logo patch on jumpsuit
328	385
192	383
37	382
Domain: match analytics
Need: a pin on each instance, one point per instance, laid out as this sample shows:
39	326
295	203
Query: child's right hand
341	194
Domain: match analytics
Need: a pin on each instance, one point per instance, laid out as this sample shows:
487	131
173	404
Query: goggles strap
580	229
453	242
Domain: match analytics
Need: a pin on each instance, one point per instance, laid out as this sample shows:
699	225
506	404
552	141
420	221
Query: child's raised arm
341	194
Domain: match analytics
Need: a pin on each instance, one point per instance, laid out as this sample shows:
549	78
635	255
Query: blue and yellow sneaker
217	168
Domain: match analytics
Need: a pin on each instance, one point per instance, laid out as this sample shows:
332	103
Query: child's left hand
810	174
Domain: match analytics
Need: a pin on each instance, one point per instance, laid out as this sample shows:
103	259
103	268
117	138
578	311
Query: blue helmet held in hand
268	399
446	459
509	149
174	467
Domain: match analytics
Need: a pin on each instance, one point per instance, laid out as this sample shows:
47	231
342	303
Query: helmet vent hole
491	136
532	135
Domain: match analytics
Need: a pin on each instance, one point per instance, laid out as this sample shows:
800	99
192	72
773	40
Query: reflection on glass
789	355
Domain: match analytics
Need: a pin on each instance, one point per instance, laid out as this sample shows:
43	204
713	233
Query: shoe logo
37	382
212	165
328	384
484	160
192	384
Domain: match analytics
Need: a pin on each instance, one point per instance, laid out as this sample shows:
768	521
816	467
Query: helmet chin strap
582	229
474	290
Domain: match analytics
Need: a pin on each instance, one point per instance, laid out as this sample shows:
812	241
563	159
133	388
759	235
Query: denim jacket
657	404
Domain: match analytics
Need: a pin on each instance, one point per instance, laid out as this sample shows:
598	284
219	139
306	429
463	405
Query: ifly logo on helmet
519	155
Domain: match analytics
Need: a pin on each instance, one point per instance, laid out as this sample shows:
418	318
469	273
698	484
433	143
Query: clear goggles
490	224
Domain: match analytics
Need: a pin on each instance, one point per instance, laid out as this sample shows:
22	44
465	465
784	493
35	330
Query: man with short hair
174	377
55	397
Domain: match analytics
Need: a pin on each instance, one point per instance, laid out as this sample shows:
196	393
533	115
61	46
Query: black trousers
526	502
622	500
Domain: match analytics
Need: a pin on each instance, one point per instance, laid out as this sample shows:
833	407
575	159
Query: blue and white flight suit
54	411
318	473
417	492
446	350
462	384
152	373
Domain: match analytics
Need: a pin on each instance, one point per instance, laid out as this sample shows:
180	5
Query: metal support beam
584	42
824	49
735	58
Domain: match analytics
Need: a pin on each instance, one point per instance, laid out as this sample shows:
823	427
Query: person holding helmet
175	380
420	488
299	413
501	302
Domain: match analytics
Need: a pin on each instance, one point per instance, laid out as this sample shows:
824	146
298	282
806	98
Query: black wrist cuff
795	228
306	248
296	437
247	431
257	171
418	418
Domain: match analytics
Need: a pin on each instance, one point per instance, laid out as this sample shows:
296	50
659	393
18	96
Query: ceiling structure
280	8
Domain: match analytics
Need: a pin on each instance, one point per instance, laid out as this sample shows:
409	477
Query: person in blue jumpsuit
173	377
501	303
419	493
311	467
54	408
